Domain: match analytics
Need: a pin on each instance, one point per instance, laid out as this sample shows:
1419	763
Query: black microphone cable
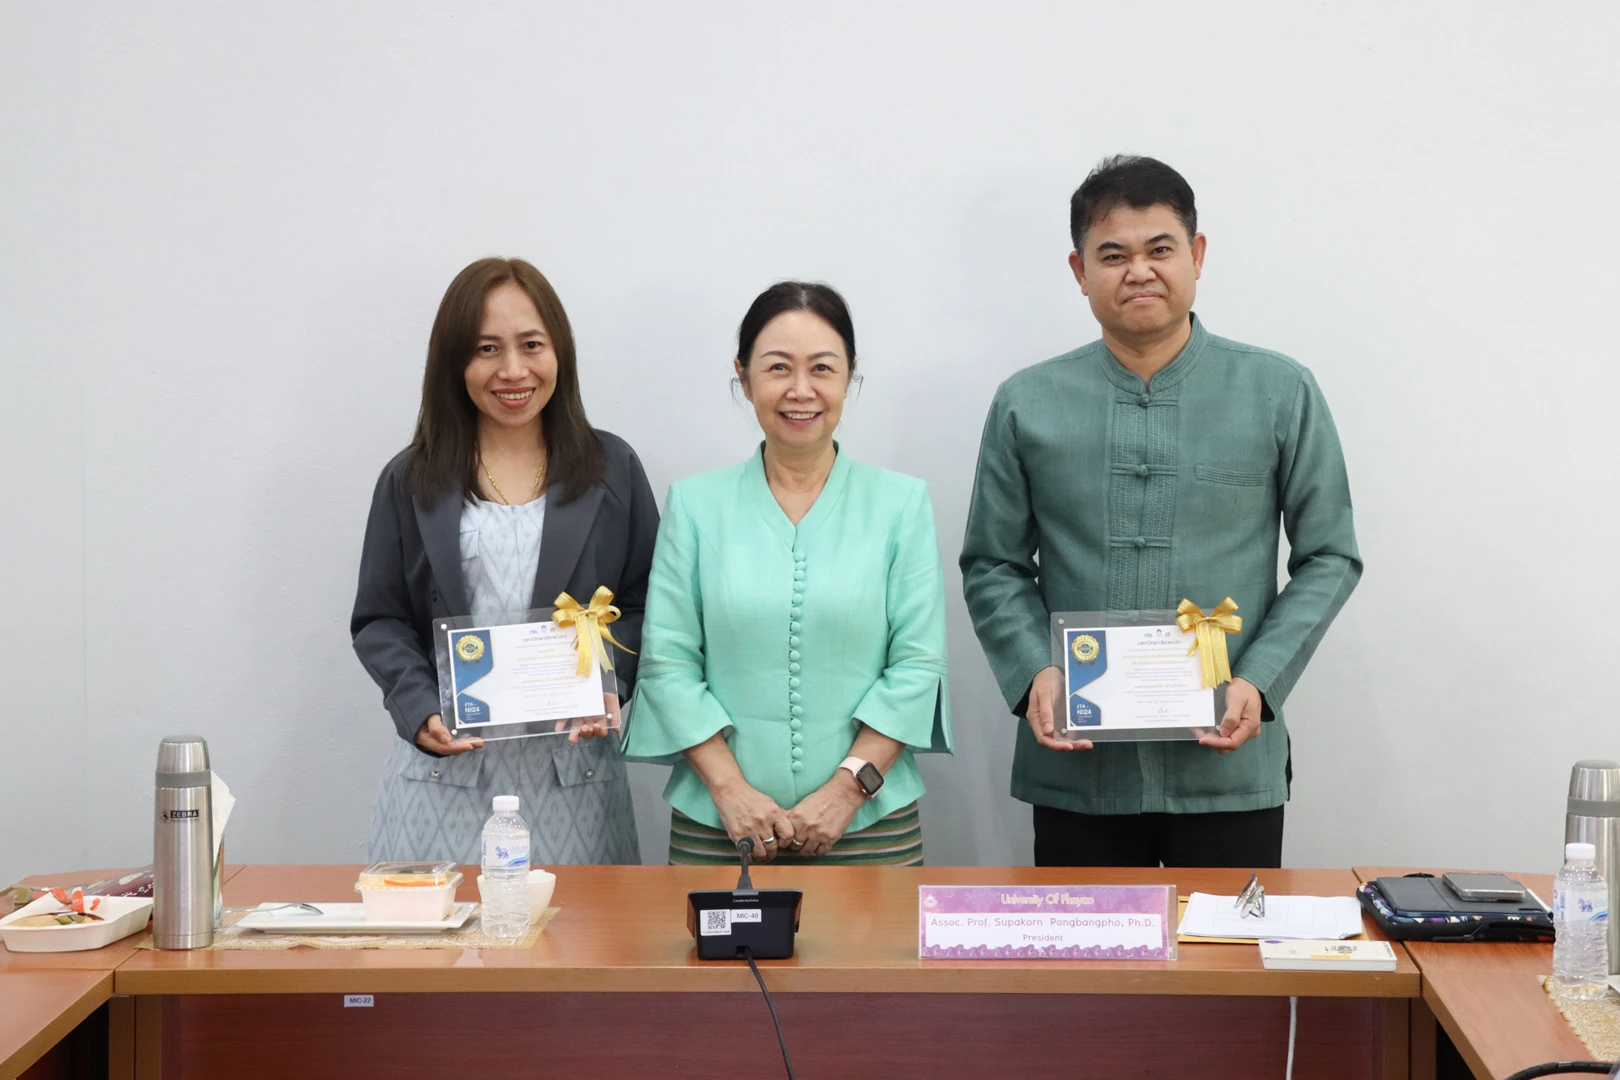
1564	1068
745	847
777	1020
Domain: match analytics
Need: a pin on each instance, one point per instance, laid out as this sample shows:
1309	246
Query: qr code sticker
716	921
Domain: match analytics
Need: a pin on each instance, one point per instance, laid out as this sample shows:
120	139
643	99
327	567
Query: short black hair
812	296
1129	180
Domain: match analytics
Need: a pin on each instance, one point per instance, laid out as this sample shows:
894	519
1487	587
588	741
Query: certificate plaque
515	675
1130	676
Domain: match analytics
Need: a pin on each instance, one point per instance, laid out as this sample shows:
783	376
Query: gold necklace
496	488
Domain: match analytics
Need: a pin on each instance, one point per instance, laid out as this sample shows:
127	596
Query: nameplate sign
1046	922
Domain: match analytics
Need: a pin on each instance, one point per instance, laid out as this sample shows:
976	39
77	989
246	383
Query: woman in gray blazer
505	498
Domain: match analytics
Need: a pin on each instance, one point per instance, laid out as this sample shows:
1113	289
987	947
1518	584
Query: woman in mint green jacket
793	653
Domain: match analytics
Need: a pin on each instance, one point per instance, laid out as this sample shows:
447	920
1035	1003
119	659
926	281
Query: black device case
1421	907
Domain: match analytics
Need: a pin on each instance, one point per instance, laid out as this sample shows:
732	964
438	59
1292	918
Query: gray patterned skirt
576	800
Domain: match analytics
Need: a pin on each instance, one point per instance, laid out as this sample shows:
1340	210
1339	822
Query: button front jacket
787	638
1098	492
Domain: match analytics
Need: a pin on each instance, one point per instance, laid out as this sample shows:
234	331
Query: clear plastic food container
408	892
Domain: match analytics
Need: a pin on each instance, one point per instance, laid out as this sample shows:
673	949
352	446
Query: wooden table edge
54	1032
226	974
1442	1013
735	978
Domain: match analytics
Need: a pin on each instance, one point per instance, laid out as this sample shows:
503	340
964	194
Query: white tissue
224	802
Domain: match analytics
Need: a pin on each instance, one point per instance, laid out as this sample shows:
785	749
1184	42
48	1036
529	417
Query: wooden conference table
41	1010
1488	996
47	996
612	988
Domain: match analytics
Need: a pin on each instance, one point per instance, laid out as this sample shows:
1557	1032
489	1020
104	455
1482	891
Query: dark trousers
1250	839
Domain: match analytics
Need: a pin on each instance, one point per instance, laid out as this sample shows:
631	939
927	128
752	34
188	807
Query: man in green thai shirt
1132	473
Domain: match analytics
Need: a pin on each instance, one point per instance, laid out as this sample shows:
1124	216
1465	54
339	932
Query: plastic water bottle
505	863
1581	921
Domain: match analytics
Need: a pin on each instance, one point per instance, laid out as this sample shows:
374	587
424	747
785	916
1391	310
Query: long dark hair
443	454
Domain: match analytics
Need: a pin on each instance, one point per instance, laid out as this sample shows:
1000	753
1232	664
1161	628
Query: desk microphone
746	923
729	922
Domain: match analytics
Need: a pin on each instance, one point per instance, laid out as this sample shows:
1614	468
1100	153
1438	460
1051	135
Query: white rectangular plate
346	919
122	915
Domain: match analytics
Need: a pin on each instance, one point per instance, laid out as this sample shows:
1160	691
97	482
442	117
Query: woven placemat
1597	1021
232	936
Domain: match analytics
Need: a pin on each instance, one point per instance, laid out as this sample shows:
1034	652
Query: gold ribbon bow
591	623
1211	641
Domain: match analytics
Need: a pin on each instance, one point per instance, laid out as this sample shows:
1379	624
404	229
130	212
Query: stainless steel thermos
1594	818
183	846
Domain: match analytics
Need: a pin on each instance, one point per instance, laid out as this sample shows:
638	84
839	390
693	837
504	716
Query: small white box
409	903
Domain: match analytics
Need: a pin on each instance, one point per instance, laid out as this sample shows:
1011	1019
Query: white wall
44	378
226	228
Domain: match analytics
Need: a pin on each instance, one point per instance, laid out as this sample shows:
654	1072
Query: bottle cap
183	754
508	804
1580	852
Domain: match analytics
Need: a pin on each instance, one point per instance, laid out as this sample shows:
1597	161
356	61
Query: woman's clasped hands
811	828
822	817
746	811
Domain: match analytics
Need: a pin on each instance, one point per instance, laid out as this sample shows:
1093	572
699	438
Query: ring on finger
769	840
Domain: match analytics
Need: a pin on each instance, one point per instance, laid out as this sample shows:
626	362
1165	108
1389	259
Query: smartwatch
866	774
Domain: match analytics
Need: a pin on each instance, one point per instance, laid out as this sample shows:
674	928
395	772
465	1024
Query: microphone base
726	921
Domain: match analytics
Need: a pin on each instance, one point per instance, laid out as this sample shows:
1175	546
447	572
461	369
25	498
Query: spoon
311	908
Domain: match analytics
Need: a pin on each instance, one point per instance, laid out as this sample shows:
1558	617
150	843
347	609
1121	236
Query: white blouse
500	554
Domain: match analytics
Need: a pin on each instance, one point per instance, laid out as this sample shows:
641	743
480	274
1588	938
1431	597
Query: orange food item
75	904
406	875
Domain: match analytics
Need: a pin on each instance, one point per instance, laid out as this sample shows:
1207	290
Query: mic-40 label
717	921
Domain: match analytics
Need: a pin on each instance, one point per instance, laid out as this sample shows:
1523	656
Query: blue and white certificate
520	673
1132	678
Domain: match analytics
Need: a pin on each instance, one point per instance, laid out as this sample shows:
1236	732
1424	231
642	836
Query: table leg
121	1038
1397	1039
149	1037
1423	1033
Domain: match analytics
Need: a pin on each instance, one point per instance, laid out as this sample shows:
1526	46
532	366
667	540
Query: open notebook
1303	917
